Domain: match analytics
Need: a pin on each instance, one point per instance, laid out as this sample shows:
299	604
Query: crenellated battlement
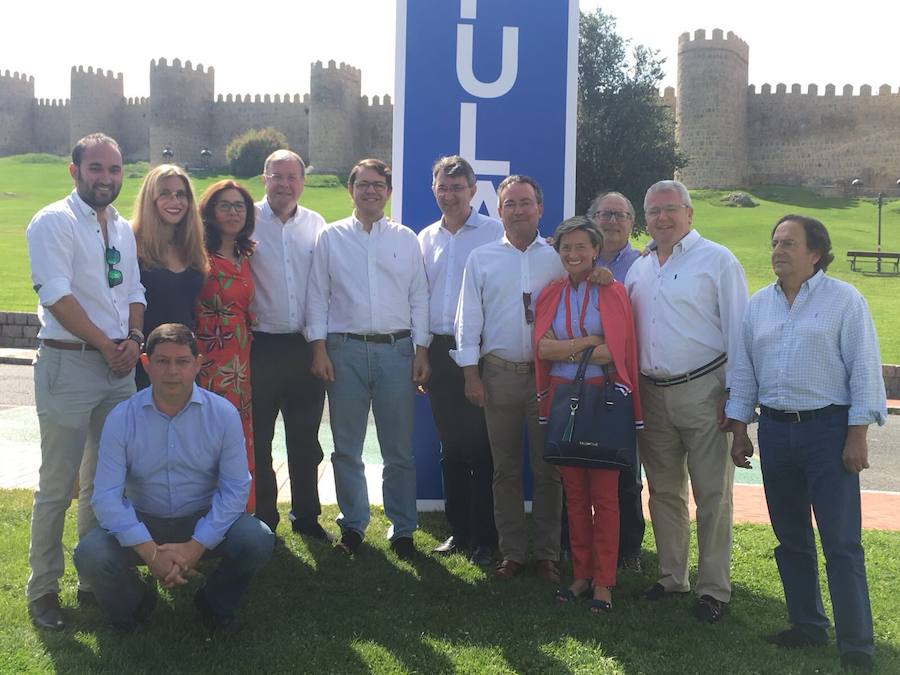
98	73
17	77
137	100
53	102
812	90
286	99
163	64
719	40
382	102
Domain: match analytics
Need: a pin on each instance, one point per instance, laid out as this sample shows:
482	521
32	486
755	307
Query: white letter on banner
485	194
509	66
467	9
467	113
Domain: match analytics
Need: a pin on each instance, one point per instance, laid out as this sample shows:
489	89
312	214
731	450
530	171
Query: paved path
20	456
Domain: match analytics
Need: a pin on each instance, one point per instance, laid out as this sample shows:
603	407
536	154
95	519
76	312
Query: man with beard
91	307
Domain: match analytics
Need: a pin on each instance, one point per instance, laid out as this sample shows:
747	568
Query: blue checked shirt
822	350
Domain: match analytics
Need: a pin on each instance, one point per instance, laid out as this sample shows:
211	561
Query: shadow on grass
314	610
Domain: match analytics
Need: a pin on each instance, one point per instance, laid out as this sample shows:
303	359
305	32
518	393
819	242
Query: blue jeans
802	468
110	567
377	375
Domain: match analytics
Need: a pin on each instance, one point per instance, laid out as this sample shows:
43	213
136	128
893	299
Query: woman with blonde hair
172	257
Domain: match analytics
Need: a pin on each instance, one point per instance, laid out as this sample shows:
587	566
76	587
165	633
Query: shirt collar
811	284
622	251
265	210
146	399
377	225
688	240
539	240
87	211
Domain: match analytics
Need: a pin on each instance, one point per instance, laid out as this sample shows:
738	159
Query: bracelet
153	559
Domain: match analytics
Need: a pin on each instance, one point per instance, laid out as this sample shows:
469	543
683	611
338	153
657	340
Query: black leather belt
795	416
693	375
446	340
379	338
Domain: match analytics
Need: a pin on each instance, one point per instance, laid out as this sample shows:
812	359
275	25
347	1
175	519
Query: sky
791	41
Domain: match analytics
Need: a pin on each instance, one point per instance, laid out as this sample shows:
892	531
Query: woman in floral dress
223	306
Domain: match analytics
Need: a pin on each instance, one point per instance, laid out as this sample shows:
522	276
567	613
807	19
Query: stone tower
16	119
711	109
96	103
181	105
334	119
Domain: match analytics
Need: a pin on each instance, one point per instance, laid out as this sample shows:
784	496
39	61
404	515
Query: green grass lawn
314	611
28	182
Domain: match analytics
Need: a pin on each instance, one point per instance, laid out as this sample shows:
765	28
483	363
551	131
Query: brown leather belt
514	366
378	338
69	346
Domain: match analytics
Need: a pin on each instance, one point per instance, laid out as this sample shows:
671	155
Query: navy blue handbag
591	426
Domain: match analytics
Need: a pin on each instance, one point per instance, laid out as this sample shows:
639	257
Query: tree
626	137
247	153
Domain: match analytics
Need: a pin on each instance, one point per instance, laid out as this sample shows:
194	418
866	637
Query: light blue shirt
822	350
170	467
592	326
620	265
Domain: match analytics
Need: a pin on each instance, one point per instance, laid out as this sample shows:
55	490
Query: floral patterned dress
223	331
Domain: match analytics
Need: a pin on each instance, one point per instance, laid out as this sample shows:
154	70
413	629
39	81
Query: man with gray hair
689	296
613	214
466	466
281	358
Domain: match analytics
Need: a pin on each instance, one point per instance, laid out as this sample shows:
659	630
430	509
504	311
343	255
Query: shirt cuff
859	416
422	338
740	411
51	292
206	534
315	332
467	356
134	535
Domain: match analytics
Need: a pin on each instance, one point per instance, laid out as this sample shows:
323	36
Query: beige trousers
511	407
681	439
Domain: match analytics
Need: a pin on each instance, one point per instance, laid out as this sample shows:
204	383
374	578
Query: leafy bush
323	180
247	153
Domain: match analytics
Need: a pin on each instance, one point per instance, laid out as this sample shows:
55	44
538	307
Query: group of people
271	308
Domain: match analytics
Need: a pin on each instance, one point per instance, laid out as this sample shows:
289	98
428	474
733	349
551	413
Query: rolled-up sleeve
50	243
862	359
233	487
318	291
418	299
114	511
133	271
744	394
469	317
733	300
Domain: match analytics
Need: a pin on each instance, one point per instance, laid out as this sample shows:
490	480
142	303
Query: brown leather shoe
507	569
547	570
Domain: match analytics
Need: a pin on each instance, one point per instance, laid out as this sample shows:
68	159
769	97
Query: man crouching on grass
170	489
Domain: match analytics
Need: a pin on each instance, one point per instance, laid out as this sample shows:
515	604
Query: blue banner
494	81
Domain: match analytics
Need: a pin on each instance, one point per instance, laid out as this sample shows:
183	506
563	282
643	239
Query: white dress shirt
445	257
490	318
68	257
280	266
688	311
367	282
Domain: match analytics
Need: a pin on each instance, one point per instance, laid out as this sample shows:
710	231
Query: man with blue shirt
613	214
171	485
466	466
809	357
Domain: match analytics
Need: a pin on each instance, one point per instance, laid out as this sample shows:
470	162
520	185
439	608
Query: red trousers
592	501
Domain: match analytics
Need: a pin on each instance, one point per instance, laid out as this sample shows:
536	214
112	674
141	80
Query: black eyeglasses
529	313
114	277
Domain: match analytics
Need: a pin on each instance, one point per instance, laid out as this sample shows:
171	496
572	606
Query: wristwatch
137	336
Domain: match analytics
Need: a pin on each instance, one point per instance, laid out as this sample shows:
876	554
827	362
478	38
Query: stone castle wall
735	136
331	127
16	112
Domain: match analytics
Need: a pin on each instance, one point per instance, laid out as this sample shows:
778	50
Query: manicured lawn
314	611
28	182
